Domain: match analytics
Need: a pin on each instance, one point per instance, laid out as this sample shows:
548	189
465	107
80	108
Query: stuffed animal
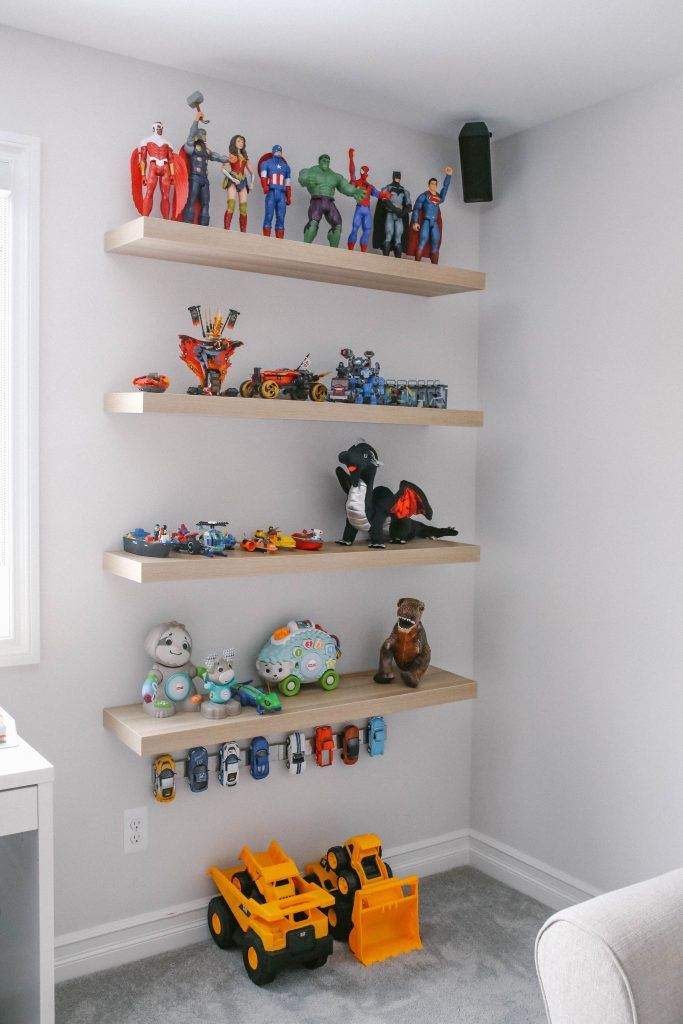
368	507
218	677
407	645
172	680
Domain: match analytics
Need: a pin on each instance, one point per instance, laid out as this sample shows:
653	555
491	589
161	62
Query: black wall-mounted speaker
475	161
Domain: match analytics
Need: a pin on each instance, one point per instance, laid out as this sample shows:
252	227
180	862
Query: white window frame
20	159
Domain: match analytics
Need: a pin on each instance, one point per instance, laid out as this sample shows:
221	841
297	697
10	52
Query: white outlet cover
135	829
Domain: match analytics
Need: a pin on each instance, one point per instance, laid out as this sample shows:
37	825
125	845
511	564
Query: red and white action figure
154	161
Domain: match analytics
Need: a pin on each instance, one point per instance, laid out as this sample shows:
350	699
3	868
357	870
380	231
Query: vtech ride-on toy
269	910
376	913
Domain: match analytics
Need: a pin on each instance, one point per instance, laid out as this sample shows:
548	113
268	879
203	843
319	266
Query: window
19	540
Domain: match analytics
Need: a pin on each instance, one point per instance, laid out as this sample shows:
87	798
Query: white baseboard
120	942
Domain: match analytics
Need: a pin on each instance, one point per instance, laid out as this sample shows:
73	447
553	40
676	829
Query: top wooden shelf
161	239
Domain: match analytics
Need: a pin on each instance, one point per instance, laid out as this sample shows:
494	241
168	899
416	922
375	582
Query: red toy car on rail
298	383
324	746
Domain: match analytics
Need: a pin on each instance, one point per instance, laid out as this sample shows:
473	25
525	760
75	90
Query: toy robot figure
426	220
392	218
321	182
210	356
362	220
276	182
154	161
198	155
237	167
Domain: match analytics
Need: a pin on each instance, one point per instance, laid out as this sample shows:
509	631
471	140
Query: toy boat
140	542
308	540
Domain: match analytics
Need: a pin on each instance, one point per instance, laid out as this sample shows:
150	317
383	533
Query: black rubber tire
339	917
312	878
348	881
340	859
389	868
219	913
262	972
318	961
244	883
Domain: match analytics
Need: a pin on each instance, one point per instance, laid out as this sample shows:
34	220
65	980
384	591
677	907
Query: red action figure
154	161
362	221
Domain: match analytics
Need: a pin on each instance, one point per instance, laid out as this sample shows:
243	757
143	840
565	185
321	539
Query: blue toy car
197	769
259	766
376	736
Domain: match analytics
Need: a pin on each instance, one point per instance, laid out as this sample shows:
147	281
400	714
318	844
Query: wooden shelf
357	696
331	558
161	239
138	402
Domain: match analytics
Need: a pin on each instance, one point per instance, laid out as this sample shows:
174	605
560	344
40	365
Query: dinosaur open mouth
405	623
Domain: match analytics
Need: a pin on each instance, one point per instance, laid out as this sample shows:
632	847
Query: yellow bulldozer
376	913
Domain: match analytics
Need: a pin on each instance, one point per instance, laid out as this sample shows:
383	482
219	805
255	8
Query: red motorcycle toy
210	356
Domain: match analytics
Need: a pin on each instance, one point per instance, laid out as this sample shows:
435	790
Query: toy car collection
375	912
359	380
197	769
258	762
295	753
297	653
228	764
268	909
324	746
163	778
350	744
155	383
299	383
210	356
376	736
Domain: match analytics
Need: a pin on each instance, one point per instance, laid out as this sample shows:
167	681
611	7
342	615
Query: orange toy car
324	746
298	383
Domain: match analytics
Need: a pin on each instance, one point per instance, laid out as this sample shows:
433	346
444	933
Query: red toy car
350	744
298	384
324	746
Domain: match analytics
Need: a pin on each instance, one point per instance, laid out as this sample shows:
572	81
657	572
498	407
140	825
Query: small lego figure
276	181
155	162
322	182
236	168
426	220
392	218
362	221
198	156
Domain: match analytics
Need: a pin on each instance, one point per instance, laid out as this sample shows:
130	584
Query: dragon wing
410	500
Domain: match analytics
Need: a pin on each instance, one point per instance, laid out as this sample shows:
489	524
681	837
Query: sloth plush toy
368	507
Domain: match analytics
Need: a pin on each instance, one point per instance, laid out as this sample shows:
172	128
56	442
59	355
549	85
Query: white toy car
295	753
228	764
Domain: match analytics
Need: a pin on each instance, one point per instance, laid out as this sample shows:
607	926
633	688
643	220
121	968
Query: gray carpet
476	967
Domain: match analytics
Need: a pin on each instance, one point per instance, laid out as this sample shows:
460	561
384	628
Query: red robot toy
155	162
210	356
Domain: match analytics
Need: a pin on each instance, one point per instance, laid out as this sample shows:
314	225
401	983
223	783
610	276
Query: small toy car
259	766
197	768
228	764
273	534
153	382
259	542
324	746
252	697
186	540
299	383
376	736
350	744
163	778
295	753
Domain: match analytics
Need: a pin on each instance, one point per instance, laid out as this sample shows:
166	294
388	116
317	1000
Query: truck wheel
312	878
348	882
242	880
289	686
339	918
194	546
247	389
256	960
270	389
329	680
317	961
389	869
221	922
338	859
318	392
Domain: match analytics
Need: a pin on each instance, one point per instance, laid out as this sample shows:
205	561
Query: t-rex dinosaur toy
368	507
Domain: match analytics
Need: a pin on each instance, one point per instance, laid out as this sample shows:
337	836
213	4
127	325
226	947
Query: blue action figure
427	220
362	220
276	182
198	155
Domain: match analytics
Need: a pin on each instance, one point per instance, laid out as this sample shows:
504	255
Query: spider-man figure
362	220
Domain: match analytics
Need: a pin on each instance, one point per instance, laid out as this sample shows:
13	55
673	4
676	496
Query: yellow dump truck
271	912
376	913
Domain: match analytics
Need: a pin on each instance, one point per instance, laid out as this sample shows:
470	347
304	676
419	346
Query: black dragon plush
368	507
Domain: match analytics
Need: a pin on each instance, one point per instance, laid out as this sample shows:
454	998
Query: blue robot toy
426	224
276	182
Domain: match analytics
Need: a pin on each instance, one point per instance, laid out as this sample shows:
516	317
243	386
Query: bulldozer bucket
385	920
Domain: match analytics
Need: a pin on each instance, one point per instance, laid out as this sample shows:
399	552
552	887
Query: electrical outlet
135	826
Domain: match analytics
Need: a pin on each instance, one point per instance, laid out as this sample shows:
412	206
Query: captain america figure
276	182
362	220
198	156
427	218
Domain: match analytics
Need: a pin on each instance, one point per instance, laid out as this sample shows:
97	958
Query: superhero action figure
237	167
426	220
198	155
276	182
362	220
154	161
392	218
321	182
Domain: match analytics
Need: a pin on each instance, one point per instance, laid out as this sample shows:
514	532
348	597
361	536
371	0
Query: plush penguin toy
368	507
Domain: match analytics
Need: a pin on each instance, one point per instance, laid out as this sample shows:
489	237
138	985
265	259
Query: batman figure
392	218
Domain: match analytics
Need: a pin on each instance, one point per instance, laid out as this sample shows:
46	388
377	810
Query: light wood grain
161	239
139	402
357	696
331	558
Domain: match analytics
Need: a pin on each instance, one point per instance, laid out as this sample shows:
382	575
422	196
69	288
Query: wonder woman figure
238	180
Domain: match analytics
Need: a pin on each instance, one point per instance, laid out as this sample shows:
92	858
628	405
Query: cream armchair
616	959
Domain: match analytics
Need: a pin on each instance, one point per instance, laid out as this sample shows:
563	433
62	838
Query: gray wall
577	742
105	319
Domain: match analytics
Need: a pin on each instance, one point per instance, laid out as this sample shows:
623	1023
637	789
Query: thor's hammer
195	100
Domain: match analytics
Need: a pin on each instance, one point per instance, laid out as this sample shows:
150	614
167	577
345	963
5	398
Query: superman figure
427	220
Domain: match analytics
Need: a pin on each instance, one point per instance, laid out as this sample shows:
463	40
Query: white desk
27	993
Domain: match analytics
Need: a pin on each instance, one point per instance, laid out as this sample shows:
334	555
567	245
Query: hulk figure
321	183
